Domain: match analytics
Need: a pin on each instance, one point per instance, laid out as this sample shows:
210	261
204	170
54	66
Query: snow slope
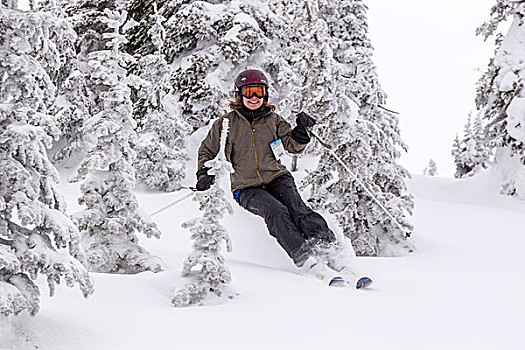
462	288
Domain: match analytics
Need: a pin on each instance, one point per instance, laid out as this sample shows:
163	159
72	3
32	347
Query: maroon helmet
250	76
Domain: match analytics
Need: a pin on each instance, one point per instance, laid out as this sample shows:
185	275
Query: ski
338	281
336	278
363	282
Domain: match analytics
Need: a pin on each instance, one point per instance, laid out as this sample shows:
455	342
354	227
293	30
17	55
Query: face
253	95
252	103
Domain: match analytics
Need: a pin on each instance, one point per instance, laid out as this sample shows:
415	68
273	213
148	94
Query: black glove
304	120
204	181
299	133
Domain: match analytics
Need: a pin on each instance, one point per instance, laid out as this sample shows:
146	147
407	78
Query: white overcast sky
428	59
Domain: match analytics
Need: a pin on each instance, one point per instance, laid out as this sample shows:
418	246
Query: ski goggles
249	90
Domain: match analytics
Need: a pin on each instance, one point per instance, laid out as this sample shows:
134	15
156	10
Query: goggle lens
249	90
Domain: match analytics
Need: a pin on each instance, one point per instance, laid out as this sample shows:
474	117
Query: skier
261	184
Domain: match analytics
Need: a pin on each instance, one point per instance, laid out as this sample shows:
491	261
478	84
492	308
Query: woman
260	183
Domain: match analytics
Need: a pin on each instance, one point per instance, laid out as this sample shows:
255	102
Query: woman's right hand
204	181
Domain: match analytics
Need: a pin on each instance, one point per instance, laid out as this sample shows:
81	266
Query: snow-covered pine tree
299	64
499	13
501	96
456	152
208	43
465	156
483	152
366	136
471	154
72	106
160	147
226	39
111	219
431	169
36	236
78	94
209	234
86	17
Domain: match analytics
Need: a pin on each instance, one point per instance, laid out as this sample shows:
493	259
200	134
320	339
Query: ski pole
370	193
175	202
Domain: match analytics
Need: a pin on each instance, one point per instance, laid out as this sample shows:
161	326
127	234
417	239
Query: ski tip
364	282
337	282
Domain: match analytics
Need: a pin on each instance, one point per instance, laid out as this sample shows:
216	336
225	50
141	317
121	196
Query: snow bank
460	289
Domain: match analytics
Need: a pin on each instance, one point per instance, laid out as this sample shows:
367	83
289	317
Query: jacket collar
250	115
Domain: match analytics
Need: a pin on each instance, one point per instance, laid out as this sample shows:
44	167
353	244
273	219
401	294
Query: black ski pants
296	226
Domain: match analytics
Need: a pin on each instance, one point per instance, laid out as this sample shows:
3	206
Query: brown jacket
248	148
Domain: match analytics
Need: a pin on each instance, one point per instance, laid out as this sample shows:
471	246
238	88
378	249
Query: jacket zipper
255	152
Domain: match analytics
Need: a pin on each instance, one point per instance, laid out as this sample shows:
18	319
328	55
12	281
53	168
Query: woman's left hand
305	120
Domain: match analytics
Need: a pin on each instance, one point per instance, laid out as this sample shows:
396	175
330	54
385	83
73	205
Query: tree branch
6	242
389	110
17	228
